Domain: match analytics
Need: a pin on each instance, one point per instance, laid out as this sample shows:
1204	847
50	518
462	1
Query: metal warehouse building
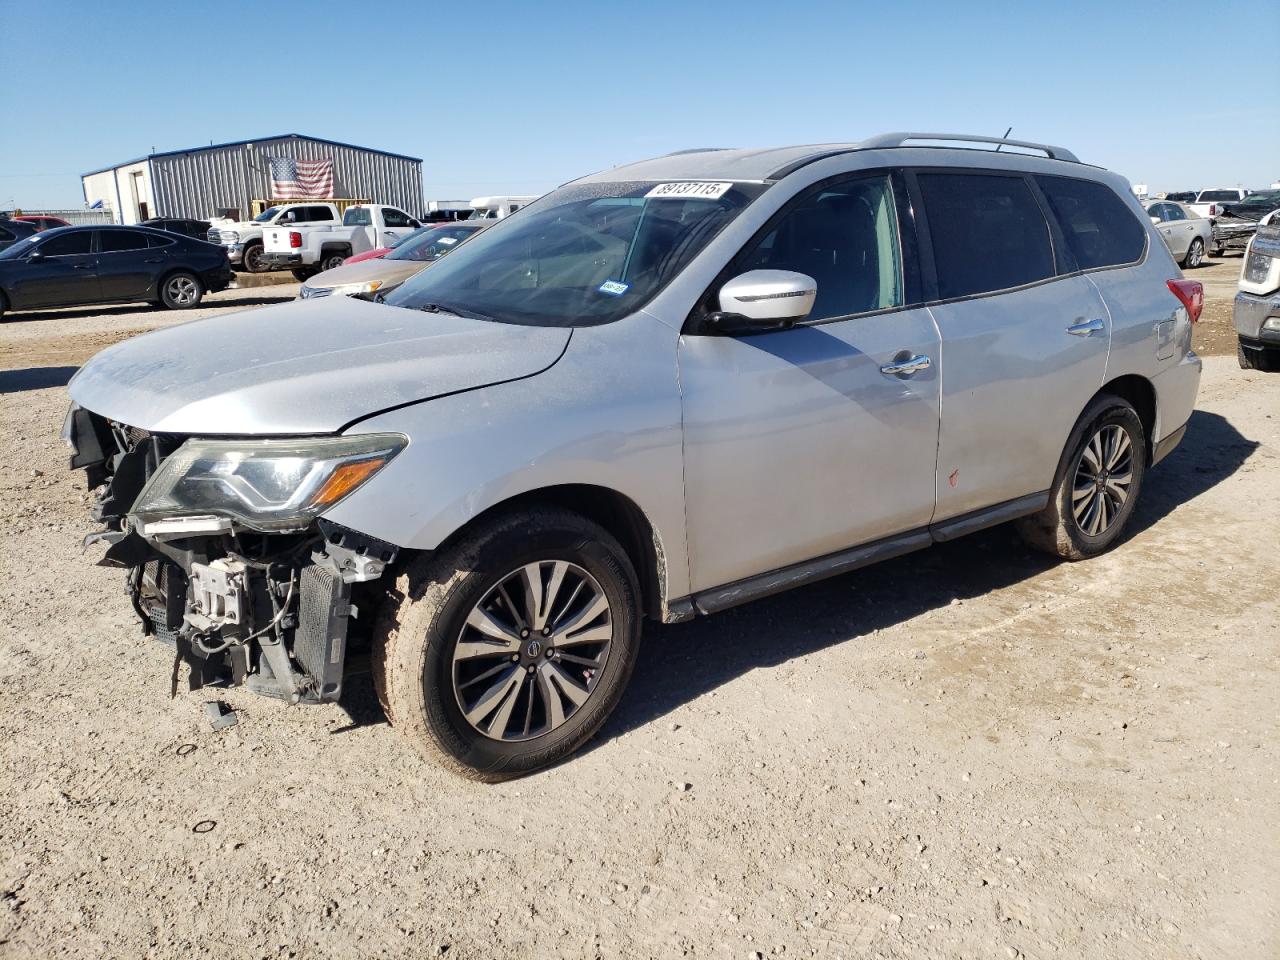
223	180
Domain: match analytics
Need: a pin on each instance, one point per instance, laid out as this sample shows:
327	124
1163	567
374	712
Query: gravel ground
967	752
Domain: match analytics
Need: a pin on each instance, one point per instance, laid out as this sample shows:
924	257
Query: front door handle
913	364
82	266
1086	327
154	260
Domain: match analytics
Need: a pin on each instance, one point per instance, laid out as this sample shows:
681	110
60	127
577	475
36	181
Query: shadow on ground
89	312
35	378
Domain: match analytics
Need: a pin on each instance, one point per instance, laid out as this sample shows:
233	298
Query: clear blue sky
519	97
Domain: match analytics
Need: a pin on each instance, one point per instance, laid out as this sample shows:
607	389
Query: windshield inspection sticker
447	241
692	190
613	288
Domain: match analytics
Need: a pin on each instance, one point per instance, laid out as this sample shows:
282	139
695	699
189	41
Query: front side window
988	233
844	236
1100	229
584	254
67	244
116	241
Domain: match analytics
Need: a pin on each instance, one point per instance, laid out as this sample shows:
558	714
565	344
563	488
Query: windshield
584	254
267	214
20	249
430	244
1261	200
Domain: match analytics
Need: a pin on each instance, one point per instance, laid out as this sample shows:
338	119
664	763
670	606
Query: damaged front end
228	558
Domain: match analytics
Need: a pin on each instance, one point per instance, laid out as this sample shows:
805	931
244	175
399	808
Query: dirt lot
968	752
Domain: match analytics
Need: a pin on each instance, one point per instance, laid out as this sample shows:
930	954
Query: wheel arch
1141	394
614	511
335	247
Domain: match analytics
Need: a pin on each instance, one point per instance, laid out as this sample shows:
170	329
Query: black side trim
767	584
1166	446
833	564
977	520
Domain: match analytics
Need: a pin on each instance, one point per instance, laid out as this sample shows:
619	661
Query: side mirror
415	224
762	300
1155	220
34	256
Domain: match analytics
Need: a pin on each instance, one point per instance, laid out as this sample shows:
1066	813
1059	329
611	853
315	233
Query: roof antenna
1005	137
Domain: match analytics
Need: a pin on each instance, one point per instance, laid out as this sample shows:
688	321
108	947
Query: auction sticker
614	288
689	189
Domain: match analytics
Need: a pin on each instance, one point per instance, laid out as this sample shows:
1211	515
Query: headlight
264	484
352	289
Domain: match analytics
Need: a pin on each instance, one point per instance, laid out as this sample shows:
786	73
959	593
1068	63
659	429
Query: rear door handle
913	364
82	266
1086	327
154	260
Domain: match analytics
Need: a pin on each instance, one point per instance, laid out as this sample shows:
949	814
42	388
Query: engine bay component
218	595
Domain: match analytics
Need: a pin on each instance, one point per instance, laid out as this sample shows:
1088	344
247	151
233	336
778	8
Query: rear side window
1100	228
117	241
319	214
357	217
1218	196
156	240
988	233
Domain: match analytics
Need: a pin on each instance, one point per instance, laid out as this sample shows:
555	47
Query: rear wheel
332	260
1097	484
507	652
4	305
181	291
1195	254
253	259
302	276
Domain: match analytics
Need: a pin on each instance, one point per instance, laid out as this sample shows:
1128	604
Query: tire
1057	529
1220	252
1195	255
332	260
181	291
4	305
427	685
251	259
1245	357
303	275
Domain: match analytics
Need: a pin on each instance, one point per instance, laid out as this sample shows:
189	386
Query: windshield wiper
456	311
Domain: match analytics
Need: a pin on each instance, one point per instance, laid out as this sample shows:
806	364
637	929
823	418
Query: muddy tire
1096	486
1244	357
493	677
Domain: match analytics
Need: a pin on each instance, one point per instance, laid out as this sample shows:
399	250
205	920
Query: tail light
295	238
1213	209
1191	294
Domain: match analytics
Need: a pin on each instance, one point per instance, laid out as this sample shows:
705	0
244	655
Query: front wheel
253	259
504	654
1195	254
181	291
1097	484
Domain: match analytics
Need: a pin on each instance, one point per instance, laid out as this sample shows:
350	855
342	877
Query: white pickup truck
243	238
1208	203
311	247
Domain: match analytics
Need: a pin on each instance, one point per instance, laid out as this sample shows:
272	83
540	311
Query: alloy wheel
1104	475
531	651
182	291
1196	256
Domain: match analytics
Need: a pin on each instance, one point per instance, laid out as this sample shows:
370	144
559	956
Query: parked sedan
1187	234
198	229
70	266
11	231
386	273
42	221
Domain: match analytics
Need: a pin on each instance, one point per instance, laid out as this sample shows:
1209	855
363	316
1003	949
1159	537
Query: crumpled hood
303	367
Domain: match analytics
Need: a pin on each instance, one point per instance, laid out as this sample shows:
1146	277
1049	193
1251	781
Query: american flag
300	179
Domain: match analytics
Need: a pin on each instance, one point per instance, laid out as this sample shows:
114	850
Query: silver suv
658	391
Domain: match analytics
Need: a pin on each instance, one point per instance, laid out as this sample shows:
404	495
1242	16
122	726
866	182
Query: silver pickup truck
1257	308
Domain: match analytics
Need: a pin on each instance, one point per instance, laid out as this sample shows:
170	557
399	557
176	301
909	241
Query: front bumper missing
272	612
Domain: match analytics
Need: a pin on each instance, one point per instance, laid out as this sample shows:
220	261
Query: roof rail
900	139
